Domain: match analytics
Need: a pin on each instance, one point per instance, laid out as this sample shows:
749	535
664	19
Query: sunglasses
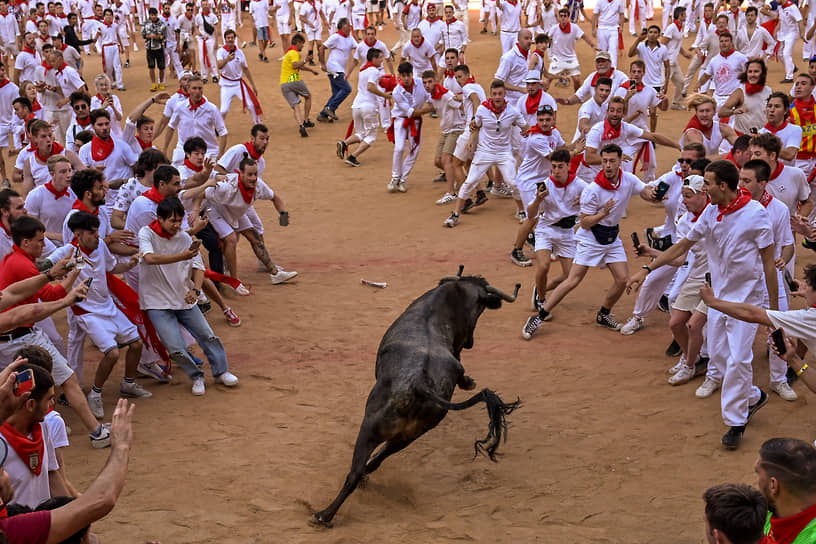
546	108
681	160
80	106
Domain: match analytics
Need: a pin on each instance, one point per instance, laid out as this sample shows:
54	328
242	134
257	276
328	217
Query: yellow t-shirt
288	73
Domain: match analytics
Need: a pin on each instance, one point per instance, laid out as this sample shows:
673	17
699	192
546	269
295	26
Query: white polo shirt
513	70
233	70
609	13
364	97
494	133
204	121
654	59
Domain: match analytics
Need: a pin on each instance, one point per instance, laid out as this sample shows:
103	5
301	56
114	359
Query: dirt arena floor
602	451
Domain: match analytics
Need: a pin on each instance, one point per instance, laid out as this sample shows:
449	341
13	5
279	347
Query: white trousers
404	145
787	54
508	40
231	91
641	16
505	163
171	56
608	41
112	63
653	287
206	56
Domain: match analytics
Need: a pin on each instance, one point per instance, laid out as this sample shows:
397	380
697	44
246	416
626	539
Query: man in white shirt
753	40
655	56
27	60
410	103
233	67
786	183
448	107
171	44
432	29
642	102
341	46
777	113
420	52
60	81
510	20
259	10
9	32
512	68
454	33
197	117
593	111
607	23
724	69
111	46
603	68
369	42
563	37
8	92
673	40
312	18
51	202
205	24
791	28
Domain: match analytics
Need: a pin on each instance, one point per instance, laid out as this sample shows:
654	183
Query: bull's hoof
467	383
317	521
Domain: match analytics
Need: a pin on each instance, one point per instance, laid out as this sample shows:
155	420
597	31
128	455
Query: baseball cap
186	73
603	55
694	182
533	76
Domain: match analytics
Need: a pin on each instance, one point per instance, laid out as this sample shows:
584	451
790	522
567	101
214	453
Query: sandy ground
603	450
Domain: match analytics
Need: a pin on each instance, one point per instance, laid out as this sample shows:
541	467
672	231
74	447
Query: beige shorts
447	143
689	299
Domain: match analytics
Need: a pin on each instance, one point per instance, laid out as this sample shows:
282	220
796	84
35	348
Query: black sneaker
731	440
351	160
519	258
341	150
481	198
663	304
605	320
468	205
790	375
786	80
530	327
700	367
440	178
489	184
302	129
530	241
308	124
215	79
754	408
260	56
127	64
674	349
483	31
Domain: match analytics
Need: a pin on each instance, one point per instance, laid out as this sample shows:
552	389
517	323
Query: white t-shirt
510	16
590	110
628	139
675	36
420	55
799	324
780	225
790	186
451	113
50	209
494	133
561	202
283	12
789	18
641	101
205	121
609	13
232	157
724	72
226	198
513	70
467	91
361	52
98	301
233	70
431	30
364	97
535	163
544	99
31	490
56	428
562	45
587	88
791	136
340	49
594	197
168	282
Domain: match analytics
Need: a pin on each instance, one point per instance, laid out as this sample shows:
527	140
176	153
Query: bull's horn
458	275
502	294
461	268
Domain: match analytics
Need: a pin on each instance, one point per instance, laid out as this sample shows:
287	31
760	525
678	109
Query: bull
417	370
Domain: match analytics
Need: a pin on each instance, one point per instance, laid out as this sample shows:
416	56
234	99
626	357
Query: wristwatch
647	268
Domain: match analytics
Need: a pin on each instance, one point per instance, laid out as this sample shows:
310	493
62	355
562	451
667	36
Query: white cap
694	182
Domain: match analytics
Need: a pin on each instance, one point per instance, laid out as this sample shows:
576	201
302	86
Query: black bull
417	370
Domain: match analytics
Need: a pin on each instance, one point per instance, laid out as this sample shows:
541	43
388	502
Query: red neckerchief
610	132
370	44
182	93
189	17
153	194
438	91
46	66
777	171
489	105
63	47
435	19
695	123
697	215
367	65
409	88
773	130
602	180
144	145
156	227
471	79
194	107
785	530
53	190
743	198
707	21
344	35
805	109
61	15
228	50
83	122
101	149
639	86
522	51
79	205
531	104
453	20
418	45
535	129
36	106
30	450
4	83
726	55
100	97
565	28
254	153
291	48
735	12
450	73
192	166
246	193
45	38
56	149
787	4
570	179
599	75
205	13
765	199
29	50
83	249
678	24
730	158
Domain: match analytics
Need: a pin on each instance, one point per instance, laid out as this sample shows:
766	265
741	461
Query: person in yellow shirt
294	88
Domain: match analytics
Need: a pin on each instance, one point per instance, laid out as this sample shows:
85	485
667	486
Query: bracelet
647	268
804	367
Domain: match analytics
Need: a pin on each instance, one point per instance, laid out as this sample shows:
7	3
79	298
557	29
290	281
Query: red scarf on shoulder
753	88
56	149
192	166
489	105
606	183
599	75
156	227
695	123
252	151
570	179
246	193
101	149
79	205
531	104
743	198
774	130
53	190
438	92
610	132
153	194
30	450
535	129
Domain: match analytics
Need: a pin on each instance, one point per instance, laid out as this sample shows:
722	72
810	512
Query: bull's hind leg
391	447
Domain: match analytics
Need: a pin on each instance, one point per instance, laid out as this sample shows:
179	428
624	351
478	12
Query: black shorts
155	58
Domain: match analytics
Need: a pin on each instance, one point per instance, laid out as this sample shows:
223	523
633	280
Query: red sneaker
232	318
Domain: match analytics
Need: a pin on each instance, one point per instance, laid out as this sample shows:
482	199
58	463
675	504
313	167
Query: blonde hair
53	160
100	78
699	99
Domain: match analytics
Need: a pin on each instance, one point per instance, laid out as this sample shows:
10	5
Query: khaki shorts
293	90
447	143
689	299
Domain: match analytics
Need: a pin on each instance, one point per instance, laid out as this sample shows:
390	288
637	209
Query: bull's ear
492	302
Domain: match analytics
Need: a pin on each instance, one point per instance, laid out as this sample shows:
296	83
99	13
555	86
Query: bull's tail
497	410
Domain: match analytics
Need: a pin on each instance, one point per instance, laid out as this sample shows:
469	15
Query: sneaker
6	184
282	276
680	364
341	150
133	390
440	178
154	88
401	187
786	80
701	366
266	59
452	221
674	349
95	404
530	241
215	79
198	387
260	56
162	87
302	130
232	317
127	63
100	438
481	198
754	408
392	185
323	118
331	114
503	191
153	370
784	390
521	215
242	290
530	327
518	258
468	205
308	124
227	378
447	198
708	388
490	184
204	80
684	375
663	304
605	320
731	440
633	325
351	160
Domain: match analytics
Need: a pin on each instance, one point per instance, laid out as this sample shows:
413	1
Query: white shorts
108	333
6	132
313	35
689	299
60	371
527	193
223	228
358	21
568	67
594	254
283	27
255	220
366	123
558	241
461	151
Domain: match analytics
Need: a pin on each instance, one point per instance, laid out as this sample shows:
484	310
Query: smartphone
88	282
662	189
708	278
636	241
632	84
203	213
284	219
195	245
779	341
24	382
793	285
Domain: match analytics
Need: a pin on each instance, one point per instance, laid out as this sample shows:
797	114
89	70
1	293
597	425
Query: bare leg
134	353
620	275
79	403
696	325
576	275
542	270
228	248
678	323
105	367
259	248
566	264
307	107
212	293
450	171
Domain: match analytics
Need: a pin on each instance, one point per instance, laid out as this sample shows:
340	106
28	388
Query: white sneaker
198	387
282	276
447	198
401	187
708	388
633	325
680	364
134	390
227	378
243	291
392	186
95	404
784	390
684	375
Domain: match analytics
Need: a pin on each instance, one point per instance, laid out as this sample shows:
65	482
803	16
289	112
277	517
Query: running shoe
133	390
232	318
530	327
452	221
351	160
341	150
605	320
633	325
447	198
518	258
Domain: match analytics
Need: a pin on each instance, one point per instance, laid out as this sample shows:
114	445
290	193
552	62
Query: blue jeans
340	90
167	324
